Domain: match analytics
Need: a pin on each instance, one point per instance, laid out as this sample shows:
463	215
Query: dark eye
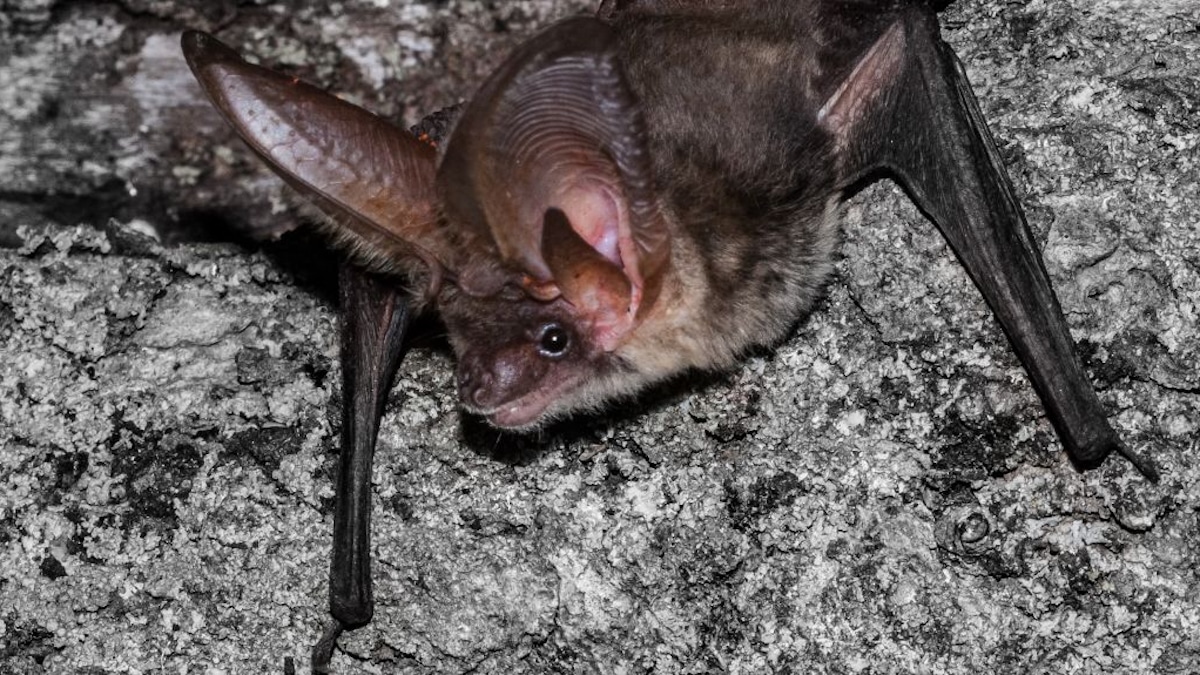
554	341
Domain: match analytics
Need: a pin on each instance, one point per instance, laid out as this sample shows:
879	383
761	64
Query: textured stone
880	494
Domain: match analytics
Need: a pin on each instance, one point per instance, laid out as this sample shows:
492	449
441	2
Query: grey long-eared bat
637	194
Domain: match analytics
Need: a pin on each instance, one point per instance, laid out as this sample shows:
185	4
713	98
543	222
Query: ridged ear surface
557	128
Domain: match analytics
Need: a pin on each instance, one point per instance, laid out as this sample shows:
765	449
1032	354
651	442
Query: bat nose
473	383
489	379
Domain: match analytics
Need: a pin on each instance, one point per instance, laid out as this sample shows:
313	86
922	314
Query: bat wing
375	317
908	109
374	180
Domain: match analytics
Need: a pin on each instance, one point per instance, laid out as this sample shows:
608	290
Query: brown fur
747	183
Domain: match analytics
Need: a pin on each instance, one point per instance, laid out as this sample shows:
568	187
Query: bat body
747	235
638	194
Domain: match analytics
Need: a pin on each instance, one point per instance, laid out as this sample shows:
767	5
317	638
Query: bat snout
512	393
479	394
487	383
473	385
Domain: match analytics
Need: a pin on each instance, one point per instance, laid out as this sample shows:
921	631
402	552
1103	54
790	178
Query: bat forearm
375	316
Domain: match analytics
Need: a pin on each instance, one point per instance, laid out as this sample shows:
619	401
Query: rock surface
880	494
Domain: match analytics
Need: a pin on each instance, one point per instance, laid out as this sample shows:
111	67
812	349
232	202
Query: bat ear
374	180
595	285
548	166
847	113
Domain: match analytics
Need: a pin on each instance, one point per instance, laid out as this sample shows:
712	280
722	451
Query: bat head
541	212
547	177
523	361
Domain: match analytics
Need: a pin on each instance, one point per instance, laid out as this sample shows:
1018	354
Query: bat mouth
530	411
525	414
515	418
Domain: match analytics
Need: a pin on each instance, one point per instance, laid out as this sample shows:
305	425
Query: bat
636	194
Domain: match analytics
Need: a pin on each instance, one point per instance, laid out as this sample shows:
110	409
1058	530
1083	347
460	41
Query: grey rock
880	494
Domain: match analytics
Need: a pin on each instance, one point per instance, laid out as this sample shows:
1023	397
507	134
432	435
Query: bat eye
554	340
